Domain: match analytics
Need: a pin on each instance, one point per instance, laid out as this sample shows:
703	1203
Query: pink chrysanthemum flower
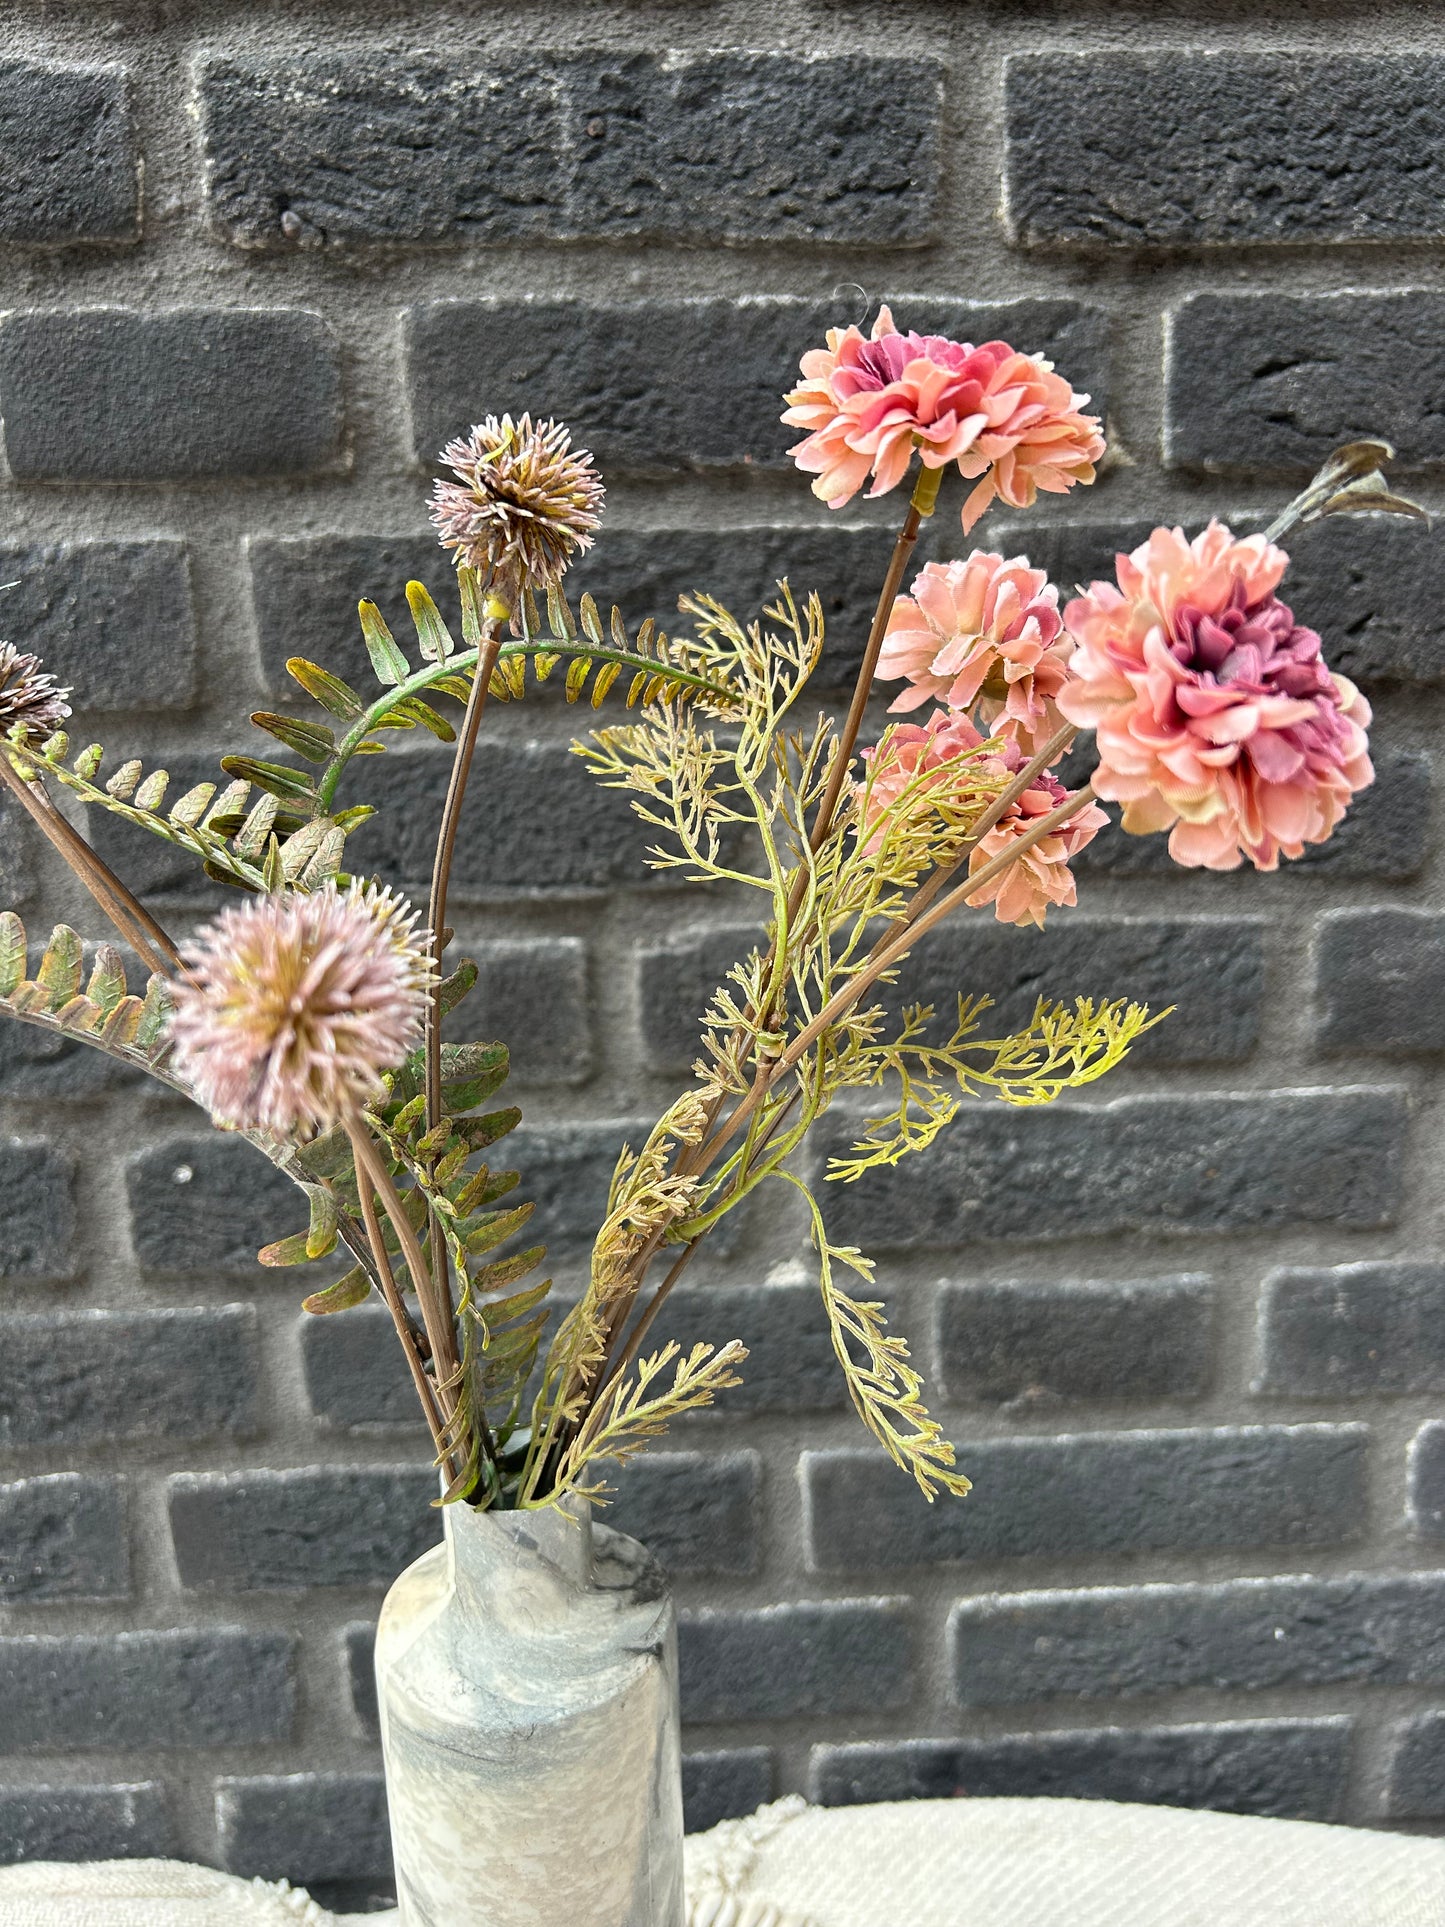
1216	718
1023	892
296	1005
983	632
525	502
29	696
868	403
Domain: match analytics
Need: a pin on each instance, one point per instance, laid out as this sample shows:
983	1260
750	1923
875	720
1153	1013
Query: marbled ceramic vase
527	1679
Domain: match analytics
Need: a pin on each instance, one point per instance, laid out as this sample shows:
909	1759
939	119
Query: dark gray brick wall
71	171
1033	1343
1185	1330
1239	1486
552	146
1188	149
1287	1769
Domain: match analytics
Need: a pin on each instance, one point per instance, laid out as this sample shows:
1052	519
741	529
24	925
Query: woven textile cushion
932	1863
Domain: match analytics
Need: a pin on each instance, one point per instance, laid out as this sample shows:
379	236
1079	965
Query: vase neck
519	1563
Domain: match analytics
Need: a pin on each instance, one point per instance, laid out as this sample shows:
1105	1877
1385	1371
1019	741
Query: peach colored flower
1023	892
983	632
868	403
1216	717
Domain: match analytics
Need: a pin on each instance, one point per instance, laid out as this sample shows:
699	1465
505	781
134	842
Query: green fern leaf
107	978
62	966
89	761
12	952
312	740
433	636
387	661
353	1289
275	778
192	806
152	792
322	687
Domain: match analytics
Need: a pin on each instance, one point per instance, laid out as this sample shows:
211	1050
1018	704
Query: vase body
527	1680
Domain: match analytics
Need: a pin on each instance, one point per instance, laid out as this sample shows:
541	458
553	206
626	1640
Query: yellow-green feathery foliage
796	1022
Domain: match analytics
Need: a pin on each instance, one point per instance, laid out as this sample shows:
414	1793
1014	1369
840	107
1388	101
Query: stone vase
527	1679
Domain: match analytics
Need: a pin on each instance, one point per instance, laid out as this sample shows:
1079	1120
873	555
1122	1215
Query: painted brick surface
1286	1769
1031	1343
71	172
101	1692
260	270
1238	1486
565	146
64	1537
1212	149
82	1378
106	395
86	1823
1244	1634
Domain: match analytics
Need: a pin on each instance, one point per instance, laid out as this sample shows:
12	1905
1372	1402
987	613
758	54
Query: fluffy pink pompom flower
867	403
984	631
1023	892
1216	718
297	1004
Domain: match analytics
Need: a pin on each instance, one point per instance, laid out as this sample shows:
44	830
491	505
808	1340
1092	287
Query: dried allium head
297	1004
28	696
526	501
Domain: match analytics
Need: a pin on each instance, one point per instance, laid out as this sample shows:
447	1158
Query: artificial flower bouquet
309	1017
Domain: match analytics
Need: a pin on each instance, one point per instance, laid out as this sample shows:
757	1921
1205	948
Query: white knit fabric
930	1863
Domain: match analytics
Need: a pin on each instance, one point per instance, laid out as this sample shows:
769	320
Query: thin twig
424	1388
640	1330
132	920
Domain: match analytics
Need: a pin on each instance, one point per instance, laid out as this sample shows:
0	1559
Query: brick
1210	969
1275	381
1384	835
1425	1502
775	1662
535	993
1370	584
63	1537
304	589
1415	1776
85	1823
699	1513
1263	1485
550	826
724	1786
356	1375
1032	1343
17	855
315	1526
102	1377
1244	1635
1282	1769
197	394
670	384
37	1210
71	167
1153	1164
112	619
208	1204
602	145
114	1691
790	1366
1351	1331
1190	149
1377	974
38	1063
304	1827
359	1655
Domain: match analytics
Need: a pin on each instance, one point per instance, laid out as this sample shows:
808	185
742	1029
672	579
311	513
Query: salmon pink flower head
296	1005
984	635
1006	418
1041	875
1216	717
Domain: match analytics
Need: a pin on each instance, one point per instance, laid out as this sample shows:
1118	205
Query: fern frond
104	1015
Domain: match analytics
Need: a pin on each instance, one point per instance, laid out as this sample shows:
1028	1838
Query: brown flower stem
639	1331
435	1316
387	1280
131	919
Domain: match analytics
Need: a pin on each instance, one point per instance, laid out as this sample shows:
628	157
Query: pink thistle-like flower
1022	893
867	403
1216	717
524	504
296	1005
983	632
29	696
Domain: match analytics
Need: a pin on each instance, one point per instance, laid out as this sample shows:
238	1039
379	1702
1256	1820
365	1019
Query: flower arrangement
308	1018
